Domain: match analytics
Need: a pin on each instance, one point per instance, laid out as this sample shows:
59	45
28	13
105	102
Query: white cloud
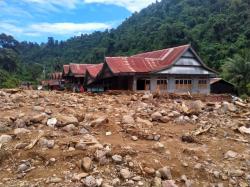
52	29
67	28
54	3
131	5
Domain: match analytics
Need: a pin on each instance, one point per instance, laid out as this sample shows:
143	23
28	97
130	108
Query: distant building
75	73
55	81
220	86
172	70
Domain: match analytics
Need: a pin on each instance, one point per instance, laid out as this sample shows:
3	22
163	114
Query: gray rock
128	119
69	128
157	137
165	173
135	138
236	173
50	144
117	158
125	173
38	118
84	131
116	182
225	107
5	138
23	168
158	146
52	122
81	146
47	143
90	181
99	121
156	116
157	182
169	183
21	131
54	180
63	120
87	164
38	108
21	145
20	123
230	154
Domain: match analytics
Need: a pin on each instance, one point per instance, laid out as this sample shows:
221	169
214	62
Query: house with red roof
74	74
173	70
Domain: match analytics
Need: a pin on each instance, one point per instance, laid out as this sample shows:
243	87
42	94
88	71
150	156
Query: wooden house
172	70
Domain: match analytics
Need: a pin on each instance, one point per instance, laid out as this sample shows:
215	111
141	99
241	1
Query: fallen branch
238	140
32	144
201	130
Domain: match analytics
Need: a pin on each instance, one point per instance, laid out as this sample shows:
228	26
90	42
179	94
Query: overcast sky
36	20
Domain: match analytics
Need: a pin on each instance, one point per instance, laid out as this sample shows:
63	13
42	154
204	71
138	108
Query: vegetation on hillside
218	30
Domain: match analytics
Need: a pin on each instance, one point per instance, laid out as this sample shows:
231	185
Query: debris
52	122
244	130
165	173
125	173
33	143
5	138
128	119
113	140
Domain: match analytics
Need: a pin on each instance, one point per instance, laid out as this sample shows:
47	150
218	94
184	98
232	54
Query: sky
36	20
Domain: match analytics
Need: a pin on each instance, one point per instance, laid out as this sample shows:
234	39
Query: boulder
52	122
90	181
5	138
21	131
38	108
128	119
157	182
87	164
117	158
230	154
64	120
144	121
244	130
150	171
38	118
156	116
169	183
125	173
226	106
158	146
69	128
165	173
99	121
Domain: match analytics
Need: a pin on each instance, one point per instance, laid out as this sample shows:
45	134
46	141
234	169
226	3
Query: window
202	83
143	84
183	84
162	84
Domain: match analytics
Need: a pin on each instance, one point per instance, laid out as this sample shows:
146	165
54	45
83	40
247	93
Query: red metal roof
79	69
94	70
65	69
56	75
146	62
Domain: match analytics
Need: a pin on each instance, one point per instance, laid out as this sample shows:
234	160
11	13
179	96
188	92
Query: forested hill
217	29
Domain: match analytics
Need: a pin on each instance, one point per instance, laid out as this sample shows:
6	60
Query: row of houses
173	70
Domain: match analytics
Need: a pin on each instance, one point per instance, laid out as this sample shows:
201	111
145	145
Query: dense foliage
217	29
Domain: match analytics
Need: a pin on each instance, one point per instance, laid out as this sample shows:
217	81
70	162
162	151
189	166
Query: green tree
237	69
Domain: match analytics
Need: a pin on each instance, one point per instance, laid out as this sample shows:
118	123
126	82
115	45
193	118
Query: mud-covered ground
125	139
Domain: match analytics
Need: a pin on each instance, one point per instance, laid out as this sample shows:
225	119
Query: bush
7	80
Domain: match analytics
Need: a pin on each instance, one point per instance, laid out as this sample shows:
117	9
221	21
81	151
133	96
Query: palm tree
237	71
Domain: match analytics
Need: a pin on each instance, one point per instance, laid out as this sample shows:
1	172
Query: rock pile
67	139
